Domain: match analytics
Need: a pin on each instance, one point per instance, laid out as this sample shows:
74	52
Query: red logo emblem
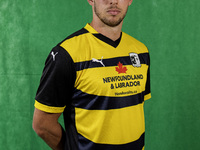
120	68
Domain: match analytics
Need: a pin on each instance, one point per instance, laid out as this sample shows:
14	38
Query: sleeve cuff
48	109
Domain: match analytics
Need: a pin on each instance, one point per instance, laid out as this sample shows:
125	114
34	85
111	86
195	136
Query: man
98	78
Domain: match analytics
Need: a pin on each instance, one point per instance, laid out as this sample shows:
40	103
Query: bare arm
47	127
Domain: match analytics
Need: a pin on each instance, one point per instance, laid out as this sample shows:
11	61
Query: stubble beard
106	21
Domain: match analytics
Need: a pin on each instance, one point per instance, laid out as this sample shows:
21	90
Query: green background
169	28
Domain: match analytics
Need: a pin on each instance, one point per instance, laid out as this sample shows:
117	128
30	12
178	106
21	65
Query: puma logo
99	61
54	55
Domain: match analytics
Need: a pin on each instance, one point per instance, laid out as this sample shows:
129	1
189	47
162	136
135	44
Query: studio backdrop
170	29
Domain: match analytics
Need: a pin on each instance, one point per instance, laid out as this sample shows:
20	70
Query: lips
113	11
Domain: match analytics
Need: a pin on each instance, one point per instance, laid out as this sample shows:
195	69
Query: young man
99	79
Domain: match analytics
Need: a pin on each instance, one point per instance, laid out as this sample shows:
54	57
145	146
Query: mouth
114	12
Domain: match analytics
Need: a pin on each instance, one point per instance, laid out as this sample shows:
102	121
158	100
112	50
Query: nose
113	1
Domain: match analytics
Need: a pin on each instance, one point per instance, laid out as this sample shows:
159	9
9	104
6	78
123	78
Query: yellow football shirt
103	96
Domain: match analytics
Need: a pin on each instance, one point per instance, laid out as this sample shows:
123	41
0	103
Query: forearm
54	136
47	127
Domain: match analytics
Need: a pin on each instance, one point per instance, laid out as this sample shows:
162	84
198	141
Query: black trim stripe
77	33
86	144
111	62
108	40
93	102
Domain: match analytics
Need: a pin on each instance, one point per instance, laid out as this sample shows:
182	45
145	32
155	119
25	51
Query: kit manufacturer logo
54	55
99	61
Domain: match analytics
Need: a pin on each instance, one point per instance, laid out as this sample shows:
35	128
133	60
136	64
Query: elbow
39	130
38	123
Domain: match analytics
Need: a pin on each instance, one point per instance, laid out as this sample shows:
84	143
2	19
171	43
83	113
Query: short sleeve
147	87
57	82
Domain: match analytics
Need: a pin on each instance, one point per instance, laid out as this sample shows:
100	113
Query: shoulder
133	42
74	35
57	53
74	39
131	39
76	43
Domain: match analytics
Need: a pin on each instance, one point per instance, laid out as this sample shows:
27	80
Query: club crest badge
135	59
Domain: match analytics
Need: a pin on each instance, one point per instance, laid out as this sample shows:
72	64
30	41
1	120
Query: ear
130	2
90	2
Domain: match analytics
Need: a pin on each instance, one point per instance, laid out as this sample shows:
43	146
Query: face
111	12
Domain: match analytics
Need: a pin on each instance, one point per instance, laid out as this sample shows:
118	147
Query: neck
111	32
